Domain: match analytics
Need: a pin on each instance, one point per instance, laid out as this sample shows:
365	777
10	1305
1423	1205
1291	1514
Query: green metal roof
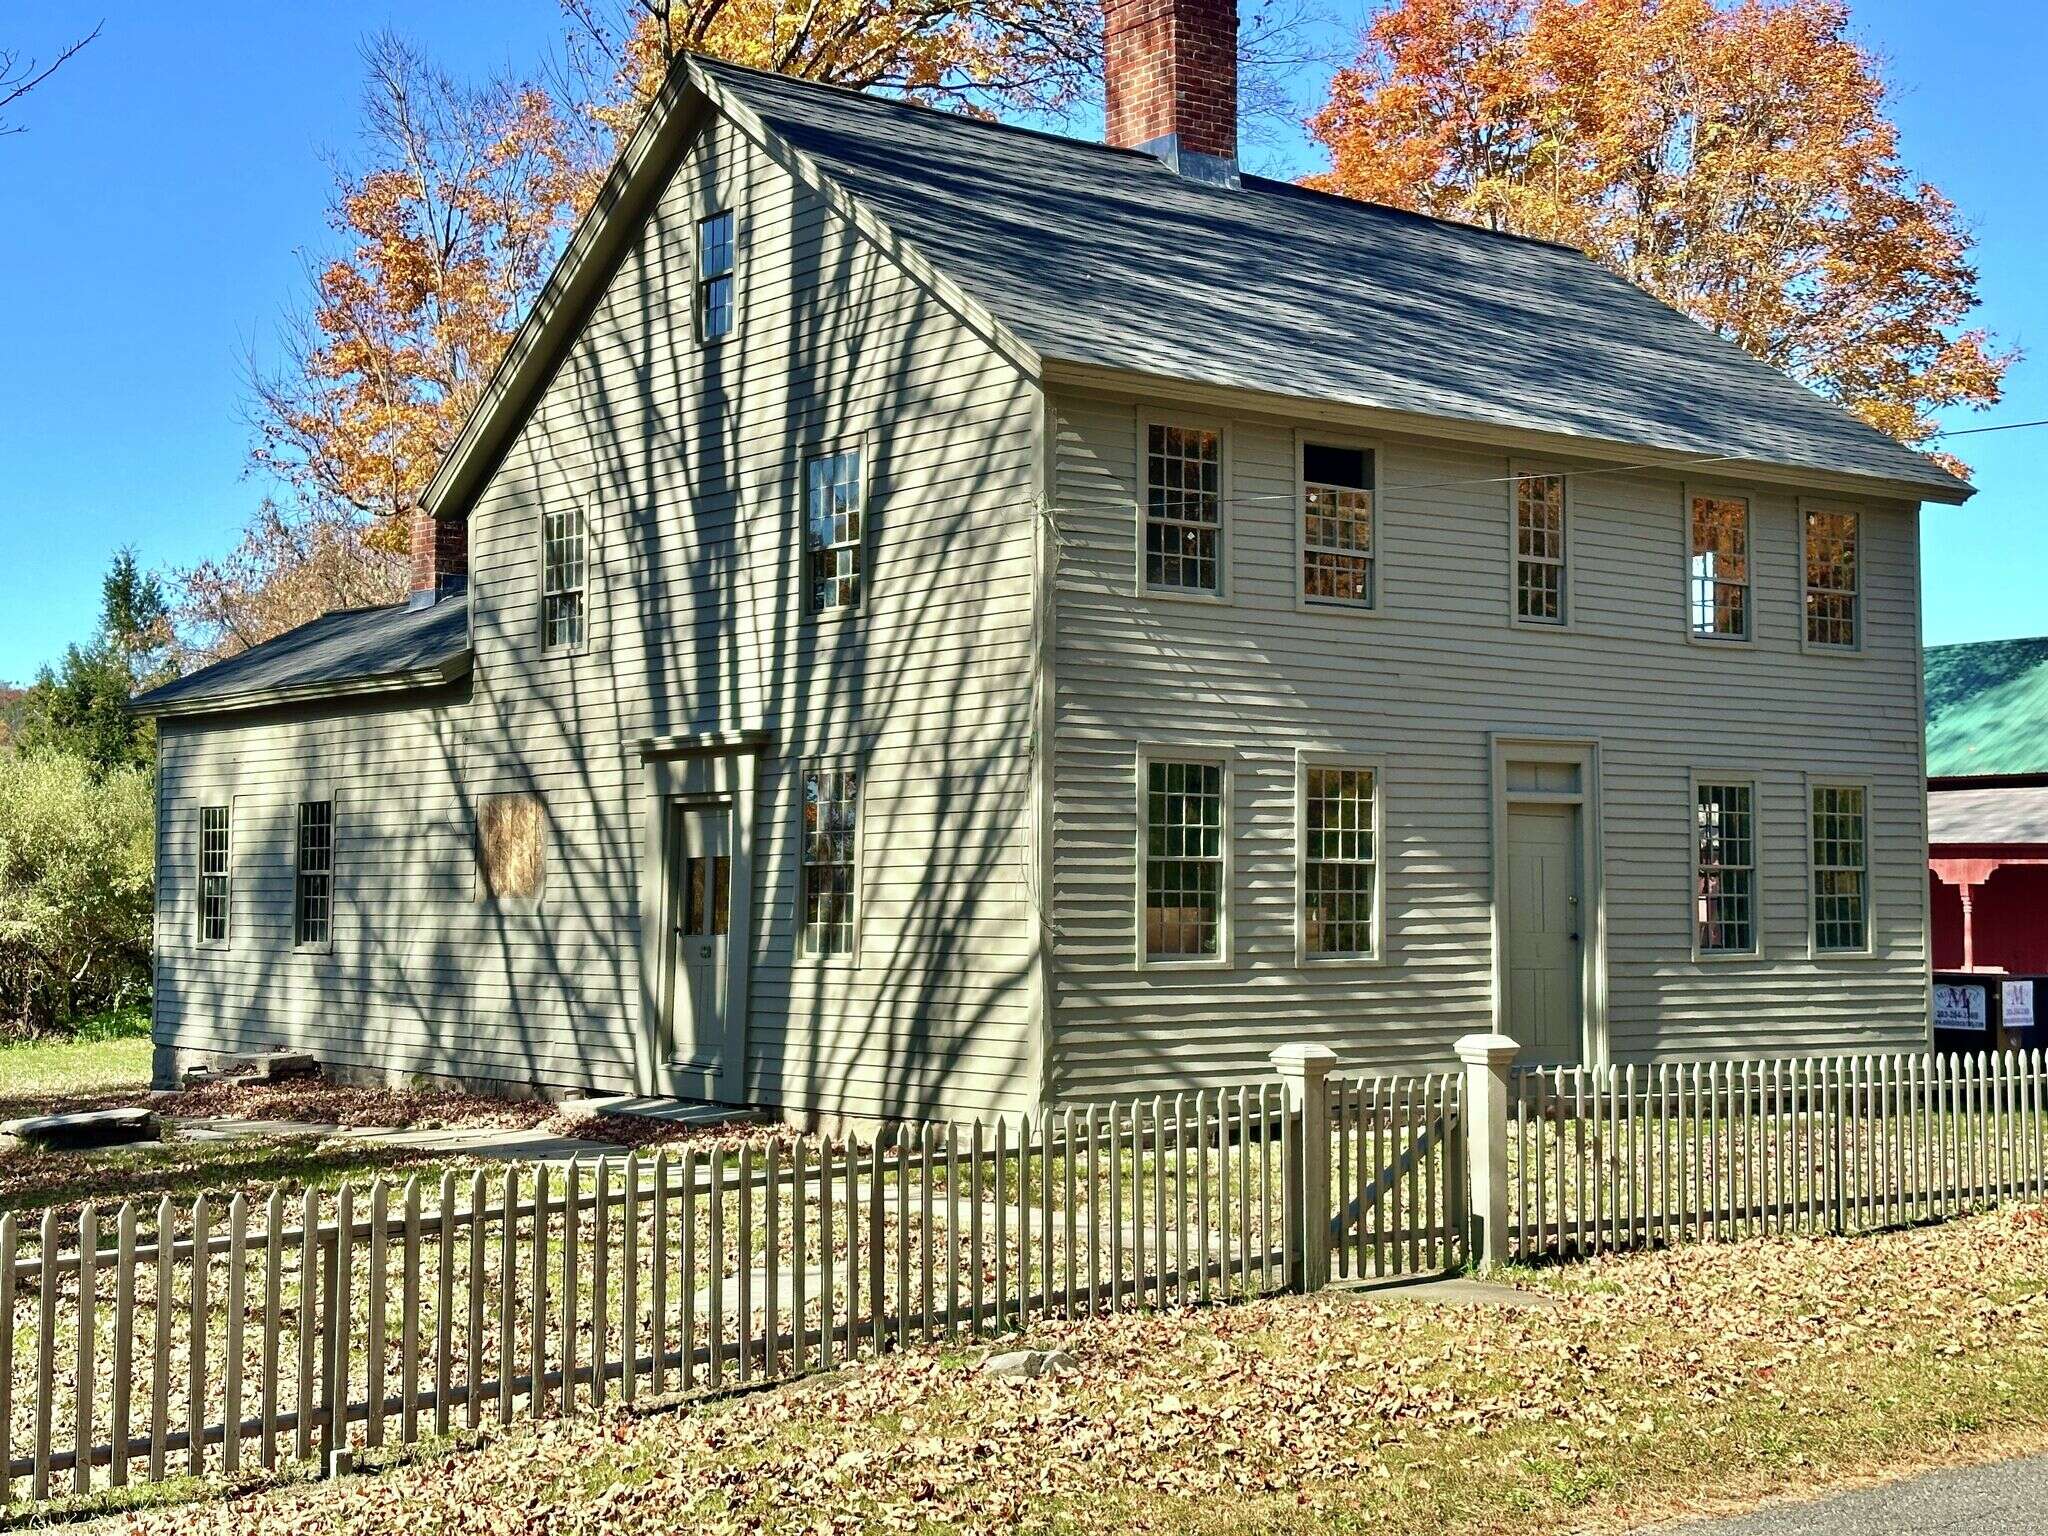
1987	708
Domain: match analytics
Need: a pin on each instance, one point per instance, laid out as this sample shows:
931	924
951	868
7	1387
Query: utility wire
2004	426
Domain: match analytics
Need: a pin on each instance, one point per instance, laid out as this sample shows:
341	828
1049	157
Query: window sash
1539	549
1841	868
835	517
215	877
313	885
1184	859
830	855
1338	533
1833	578
1724	894
1183	509
1720	570
1340	862
715	276
563	567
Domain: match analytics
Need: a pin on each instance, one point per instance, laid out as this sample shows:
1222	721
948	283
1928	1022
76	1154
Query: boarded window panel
511	845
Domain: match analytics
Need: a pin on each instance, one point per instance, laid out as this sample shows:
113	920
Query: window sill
1184	595
1720	642
1727	956
1340	609
1308	962
1171	966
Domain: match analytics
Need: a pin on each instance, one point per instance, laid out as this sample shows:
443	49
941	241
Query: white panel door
700	932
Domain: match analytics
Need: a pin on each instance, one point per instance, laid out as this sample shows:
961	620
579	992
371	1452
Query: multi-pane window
831	820
1841	868
1336	525
561	584
1724	903
833	516
1339	879
1539	549
1183	509
213	874
313	889
1183	860
1831	579
1719	598
714	276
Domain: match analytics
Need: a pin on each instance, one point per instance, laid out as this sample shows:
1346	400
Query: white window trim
1525	469
1753	782
1808	504
858	762
1718	492
820	448
1302	601
199	939
711	209
1164	752
1140	500
540	584
300	796
1810	783
1304	759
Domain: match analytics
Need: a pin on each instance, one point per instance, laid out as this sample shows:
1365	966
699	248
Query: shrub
76	888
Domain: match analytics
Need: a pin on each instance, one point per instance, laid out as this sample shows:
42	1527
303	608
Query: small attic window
715	309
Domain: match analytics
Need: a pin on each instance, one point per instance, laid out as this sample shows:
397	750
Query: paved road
2002	1498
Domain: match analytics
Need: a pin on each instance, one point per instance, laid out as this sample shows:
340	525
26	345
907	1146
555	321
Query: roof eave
440	675
1467	430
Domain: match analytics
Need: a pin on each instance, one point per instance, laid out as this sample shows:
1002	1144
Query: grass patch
107	1054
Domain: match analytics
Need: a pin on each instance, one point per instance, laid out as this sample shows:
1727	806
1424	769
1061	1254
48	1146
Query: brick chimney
1170	70
440	557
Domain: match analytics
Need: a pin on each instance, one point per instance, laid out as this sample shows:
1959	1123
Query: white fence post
1305	1079
1487	1059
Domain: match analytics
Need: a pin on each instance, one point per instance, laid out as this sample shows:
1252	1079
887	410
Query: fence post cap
1489	1050
1299	1060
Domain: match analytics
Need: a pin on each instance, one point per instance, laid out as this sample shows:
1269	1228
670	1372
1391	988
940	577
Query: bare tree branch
19	76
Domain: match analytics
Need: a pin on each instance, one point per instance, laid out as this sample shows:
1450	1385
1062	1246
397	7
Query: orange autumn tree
1735	160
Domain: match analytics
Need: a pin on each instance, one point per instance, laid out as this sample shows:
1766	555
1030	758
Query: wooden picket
1629	1156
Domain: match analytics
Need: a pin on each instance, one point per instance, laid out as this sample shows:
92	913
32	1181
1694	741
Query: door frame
1584	754
716	766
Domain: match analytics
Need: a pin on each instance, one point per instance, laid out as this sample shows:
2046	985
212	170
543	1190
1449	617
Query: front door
700	929
1545	938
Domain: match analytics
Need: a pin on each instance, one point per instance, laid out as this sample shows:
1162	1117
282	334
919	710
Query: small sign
2019	1005
1959	1006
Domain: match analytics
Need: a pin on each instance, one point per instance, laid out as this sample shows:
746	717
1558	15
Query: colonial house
933	617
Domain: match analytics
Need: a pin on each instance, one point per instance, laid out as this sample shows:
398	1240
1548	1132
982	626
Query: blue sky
157	218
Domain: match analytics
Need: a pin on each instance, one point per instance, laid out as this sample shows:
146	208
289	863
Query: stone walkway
508	1144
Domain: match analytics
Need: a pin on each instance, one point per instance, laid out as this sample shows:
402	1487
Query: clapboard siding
686	462
1422	684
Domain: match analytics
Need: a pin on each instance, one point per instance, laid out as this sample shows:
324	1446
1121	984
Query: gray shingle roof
2018	814
1106	257
355	650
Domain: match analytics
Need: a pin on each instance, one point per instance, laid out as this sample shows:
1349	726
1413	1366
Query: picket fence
222	1335
311	1325
1620	1157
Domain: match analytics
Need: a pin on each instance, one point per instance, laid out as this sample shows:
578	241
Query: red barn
1987	805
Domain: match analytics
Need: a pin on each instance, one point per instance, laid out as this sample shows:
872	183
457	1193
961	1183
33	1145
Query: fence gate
1397	1176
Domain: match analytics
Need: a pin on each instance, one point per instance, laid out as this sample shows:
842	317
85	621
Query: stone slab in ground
85	1128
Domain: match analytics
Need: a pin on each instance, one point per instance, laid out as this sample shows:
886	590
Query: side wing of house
801	553
1485	750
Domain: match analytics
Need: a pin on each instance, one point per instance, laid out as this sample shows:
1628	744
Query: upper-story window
833	525
1337	525
562	566
1841	869
1833	607
1183	509
1719	599
1539	549
214	879
1184	863
1724	824
313	882
715	308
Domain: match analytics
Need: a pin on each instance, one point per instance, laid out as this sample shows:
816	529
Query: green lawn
107	1055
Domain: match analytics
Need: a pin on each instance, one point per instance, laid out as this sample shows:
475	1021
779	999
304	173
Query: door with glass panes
700	838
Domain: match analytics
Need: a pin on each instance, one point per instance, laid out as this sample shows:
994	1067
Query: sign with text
2018	1012
1960	1006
